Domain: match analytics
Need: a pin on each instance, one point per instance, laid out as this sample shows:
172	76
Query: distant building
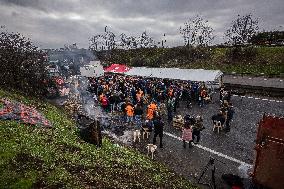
53	68
94	69
68	60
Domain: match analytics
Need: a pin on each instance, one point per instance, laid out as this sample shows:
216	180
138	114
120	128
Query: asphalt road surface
230	150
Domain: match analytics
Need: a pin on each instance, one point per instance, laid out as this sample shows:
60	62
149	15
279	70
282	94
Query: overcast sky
51	23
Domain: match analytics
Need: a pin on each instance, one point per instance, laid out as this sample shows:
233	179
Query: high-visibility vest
150	113
153	106
129	110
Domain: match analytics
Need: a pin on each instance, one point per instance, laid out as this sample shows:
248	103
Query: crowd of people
143	102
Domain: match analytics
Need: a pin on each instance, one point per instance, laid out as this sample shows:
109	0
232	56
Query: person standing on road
230	114
197	128
130	113
187	134
170	109
158	130
221	93
138	111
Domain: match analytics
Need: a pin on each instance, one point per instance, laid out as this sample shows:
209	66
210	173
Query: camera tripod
210	164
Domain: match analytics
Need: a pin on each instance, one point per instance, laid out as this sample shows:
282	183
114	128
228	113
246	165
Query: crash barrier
239	89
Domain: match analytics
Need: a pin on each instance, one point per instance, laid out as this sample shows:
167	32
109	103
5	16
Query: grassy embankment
267	60
32	157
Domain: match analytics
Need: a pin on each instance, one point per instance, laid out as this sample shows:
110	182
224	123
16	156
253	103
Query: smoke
79	88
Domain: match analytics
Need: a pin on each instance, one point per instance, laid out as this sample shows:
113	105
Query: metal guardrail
280	75
266	91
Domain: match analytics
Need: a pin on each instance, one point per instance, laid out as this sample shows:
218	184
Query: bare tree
128	42
145	41
241	30
132	42
197	32
104	41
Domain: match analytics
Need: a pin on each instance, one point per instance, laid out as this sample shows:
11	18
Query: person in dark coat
158	129
230	114
221	93
138	111
170	109
197	128
219	117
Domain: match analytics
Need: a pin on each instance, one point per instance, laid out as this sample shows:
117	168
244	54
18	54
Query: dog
146	131
151	148
136	135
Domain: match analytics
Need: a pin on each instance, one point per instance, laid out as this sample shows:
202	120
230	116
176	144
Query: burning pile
25	114
73	105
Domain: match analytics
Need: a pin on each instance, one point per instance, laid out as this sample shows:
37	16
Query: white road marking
210	150
256	98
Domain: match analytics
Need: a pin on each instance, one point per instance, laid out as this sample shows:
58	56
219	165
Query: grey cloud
24	3
54	23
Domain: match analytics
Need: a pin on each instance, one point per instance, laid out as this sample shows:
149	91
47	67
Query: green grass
32	157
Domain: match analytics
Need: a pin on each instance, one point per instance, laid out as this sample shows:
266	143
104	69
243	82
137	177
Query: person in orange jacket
151	110
154	106
150	113
129	113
